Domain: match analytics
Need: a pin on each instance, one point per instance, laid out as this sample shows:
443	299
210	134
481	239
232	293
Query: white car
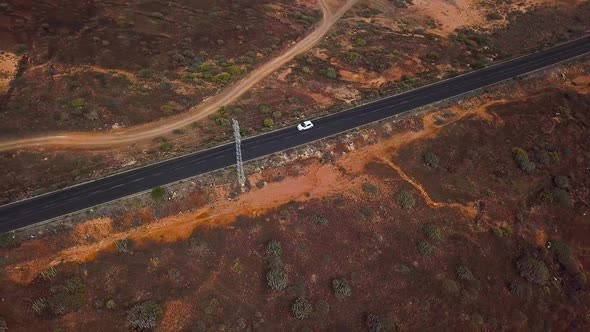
305	125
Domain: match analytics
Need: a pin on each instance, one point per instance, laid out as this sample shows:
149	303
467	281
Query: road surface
38	209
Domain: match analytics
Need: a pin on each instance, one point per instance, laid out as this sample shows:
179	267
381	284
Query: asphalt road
38	209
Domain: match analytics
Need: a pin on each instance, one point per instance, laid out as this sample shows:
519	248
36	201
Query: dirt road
155	129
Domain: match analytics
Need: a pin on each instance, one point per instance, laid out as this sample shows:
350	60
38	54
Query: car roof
307	122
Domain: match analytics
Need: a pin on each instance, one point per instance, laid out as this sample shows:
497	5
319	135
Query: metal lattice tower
239	162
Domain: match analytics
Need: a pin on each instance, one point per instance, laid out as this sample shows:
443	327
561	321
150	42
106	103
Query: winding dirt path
80	140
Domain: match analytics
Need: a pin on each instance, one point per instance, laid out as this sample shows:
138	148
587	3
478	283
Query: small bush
268	123
322	308
405	200
561	182
519	289
432	232
39	306
521	158
274	248
77	103
301	308
277	278
502	231
450	287
533	270
431	160
277	115
319	220
561	196
20	49
360	42
374	323
7	240
3	325
166	146
425	248
144	315
264	109
464	273
331	73
306	70
222	122
353	56
222	79
146	73
49	274
561	249
122	245
341	288
111	304
370	188
158	194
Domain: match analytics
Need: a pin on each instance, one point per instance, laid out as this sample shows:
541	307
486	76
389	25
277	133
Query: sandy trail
134	134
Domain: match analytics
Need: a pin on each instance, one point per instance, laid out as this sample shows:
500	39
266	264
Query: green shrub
370	188
277	278
39	306
276	115
3	325
430	160
341	288
77	103
405	200
49	274
561	249
561	181
425	248
222	122
464	273
268	123
331	73
561	196
143	316
502	231
450	287
319	220
66	298
122	245
222	78
433	55
374	323
111	304
366	211
264	109
301	308
7	240
146	73
166	146
274	248
158	194
20	49
522	160
306	70
432	232
359	42
322	308
533	270
353	56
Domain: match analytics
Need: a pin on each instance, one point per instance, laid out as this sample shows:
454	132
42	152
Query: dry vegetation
94	80
410	224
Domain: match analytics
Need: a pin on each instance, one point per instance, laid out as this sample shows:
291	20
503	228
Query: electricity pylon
239	161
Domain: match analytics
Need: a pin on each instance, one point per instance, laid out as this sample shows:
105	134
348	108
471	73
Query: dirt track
149	131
